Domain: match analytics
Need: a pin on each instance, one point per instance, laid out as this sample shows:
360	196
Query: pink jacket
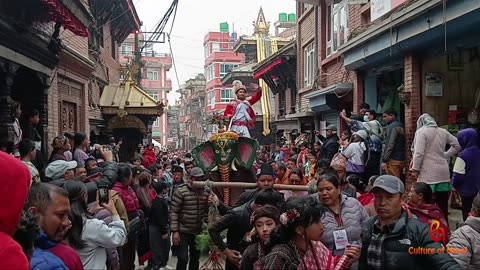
430	158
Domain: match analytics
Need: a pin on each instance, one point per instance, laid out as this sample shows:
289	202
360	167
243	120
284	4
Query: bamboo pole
200	184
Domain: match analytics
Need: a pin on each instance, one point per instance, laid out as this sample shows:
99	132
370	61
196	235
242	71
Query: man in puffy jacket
392	240
189	207
329	143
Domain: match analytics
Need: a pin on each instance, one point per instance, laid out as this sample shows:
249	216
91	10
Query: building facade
220	59
154	80
32	57
192	112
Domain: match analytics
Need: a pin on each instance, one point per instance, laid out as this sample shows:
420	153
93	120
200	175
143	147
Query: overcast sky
197	17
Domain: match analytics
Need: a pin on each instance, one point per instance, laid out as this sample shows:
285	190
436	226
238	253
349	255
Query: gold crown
226	136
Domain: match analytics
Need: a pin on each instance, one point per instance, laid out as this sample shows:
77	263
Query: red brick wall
412	110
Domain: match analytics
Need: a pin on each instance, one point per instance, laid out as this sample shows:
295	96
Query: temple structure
257	47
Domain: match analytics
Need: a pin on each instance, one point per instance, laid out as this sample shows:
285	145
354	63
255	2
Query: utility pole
137	61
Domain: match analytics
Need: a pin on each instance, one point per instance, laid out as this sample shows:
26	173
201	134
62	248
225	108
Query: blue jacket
42	258
466	172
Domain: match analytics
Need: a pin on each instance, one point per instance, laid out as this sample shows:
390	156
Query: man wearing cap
330	143
392	240
188	209
240	111
59	171
265	180
177	179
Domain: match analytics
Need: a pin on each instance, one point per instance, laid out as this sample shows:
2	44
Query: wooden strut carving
225	176
244	185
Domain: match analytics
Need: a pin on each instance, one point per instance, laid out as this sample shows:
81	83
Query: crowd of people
85	209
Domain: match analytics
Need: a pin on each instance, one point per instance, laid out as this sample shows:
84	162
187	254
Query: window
309	65
226	68
152	75
215	47
336	26
306	6
210	72
155	96
207	49
126	49
226	95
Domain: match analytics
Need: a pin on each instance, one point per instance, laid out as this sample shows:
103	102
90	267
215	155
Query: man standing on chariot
240	111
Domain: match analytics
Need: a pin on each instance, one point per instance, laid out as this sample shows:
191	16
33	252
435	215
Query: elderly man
330	143
392	240
60	170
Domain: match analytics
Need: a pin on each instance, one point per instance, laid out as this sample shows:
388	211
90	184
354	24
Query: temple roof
128	97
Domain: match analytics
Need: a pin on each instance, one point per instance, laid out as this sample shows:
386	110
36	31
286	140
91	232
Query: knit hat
332	128
339	160
362	134
237	85
59	141
265	211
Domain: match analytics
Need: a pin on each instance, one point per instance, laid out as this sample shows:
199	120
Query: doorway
131	138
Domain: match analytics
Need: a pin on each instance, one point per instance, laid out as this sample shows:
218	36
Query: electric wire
173	60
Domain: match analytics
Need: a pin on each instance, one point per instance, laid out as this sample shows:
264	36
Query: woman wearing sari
420	205
296	243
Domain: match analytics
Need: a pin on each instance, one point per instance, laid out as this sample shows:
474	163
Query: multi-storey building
173	140
413	56
220	59
65	53
193	120
154	80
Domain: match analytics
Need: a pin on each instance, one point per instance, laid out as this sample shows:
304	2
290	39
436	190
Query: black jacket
394	148
329	147
237	221
109	177
159	216
406	234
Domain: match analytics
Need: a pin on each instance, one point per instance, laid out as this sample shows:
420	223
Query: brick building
32	57
389	54
154	80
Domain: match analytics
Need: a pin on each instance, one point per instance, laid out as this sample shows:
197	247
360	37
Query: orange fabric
285	180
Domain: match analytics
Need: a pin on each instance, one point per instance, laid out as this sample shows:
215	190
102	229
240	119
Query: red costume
230	109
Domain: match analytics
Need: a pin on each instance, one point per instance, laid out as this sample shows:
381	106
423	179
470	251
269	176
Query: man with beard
51	205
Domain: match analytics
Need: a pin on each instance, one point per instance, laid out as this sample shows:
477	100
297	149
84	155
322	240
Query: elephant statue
224	152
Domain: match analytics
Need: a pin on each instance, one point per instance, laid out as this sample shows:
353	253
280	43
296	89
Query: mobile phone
103	195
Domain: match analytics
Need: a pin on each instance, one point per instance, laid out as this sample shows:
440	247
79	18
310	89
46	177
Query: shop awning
129	98
73	15
326	99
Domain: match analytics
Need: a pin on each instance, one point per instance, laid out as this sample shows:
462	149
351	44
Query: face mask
365	118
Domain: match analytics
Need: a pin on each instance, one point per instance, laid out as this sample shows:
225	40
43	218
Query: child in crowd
159	228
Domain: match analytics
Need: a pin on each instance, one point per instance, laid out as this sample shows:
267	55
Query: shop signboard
378	8
433	84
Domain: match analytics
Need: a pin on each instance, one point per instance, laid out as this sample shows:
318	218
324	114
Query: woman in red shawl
296	245
420	205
